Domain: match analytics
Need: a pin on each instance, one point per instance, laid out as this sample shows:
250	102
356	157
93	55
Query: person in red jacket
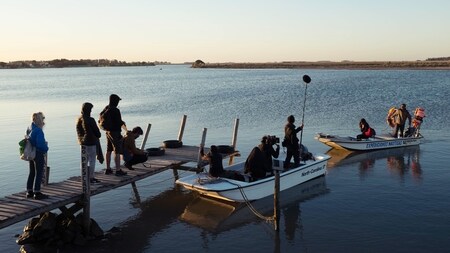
366	130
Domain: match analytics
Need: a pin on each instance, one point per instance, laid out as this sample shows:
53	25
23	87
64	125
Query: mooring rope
251	207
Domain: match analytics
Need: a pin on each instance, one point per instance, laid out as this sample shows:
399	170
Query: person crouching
131	154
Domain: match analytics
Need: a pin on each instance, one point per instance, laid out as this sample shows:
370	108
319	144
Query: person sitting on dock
214	159
131	154
366	130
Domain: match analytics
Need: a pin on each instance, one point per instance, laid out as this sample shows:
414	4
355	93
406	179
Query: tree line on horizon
63	63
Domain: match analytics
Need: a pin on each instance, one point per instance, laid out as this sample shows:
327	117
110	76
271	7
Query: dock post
202	145
46	174
276	201
144	141
86	185
234	139
235	132
183	123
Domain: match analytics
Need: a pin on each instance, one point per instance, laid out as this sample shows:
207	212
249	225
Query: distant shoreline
419	65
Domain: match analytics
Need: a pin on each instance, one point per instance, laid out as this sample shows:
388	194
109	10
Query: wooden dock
16	207
76	191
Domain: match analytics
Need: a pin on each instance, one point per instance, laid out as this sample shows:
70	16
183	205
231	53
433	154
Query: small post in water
276	201
183	123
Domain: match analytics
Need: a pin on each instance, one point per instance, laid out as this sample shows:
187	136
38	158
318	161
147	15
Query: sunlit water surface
383	201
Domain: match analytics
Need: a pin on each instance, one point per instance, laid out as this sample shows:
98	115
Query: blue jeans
36	172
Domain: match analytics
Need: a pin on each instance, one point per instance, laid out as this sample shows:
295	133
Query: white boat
240	191
373	143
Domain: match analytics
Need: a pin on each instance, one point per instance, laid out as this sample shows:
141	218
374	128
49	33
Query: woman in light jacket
37	139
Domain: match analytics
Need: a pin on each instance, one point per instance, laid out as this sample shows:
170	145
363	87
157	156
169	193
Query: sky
214	31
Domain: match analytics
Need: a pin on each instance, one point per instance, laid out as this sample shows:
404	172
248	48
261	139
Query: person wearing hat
291	142
131	154
113	134
88	135
400	116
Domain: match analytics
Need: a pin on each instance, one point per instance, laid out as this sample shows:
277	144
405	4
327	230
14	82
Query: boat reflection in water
217	216
398	160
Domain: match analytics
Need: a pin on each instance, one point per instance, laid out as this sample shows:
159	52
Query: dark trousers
292	152
399	128
36	172
137	159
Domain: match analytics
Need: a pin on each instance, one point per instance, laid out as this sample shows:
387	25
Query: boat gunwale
257	182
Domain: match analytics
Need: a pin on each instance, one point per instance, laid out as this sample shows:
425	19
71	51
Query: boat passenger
400	116
268	151
291	142
216	169
366	130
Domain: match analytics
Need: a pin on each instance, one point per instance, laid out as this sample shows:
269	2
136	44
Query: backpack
27	151
104	121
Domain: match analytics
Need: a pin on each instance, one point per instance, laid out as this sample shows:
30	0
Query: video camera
272	139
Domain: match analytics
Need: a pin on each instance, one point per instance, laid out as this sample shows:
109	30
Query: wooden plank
13	208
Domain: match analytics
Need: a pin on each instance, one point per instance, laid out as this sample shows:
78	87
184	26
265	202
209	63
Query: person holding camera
291	142
268	151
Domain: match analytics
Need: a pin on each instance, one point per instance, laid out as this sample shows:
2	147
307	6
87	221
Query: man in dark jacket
267	149
291	142
88	135
113	135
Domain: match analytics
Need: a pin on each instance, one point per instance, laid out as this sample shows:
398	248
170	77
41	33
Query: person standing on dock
37	139
291	142
111	121
131	154
88	135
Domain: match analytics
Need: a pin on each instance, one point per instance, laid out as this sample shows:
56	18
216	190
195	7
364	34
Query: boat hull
239	191
381	142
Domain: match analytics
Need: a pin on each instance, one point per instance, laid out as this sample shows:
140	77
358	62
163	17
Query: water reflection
216	217
157	213
399	161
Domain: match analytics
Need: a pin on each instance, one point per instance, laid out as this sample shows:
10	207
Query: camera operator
268	151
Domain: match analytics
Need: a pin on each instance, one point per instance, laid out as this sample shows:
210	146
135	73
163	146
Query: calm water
384	201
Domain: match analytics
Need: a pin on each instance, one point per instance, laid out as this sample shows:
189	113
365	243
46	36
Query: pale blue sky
225	30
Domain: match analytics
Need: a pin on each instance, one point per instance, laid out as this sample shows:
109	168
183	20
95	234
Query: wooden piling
276	201
235	133
147	131
234	139
183	124
86	188
202	145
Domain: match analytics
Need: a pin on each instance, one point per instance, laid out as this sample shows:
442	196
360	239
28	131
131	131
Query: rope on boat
251	207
